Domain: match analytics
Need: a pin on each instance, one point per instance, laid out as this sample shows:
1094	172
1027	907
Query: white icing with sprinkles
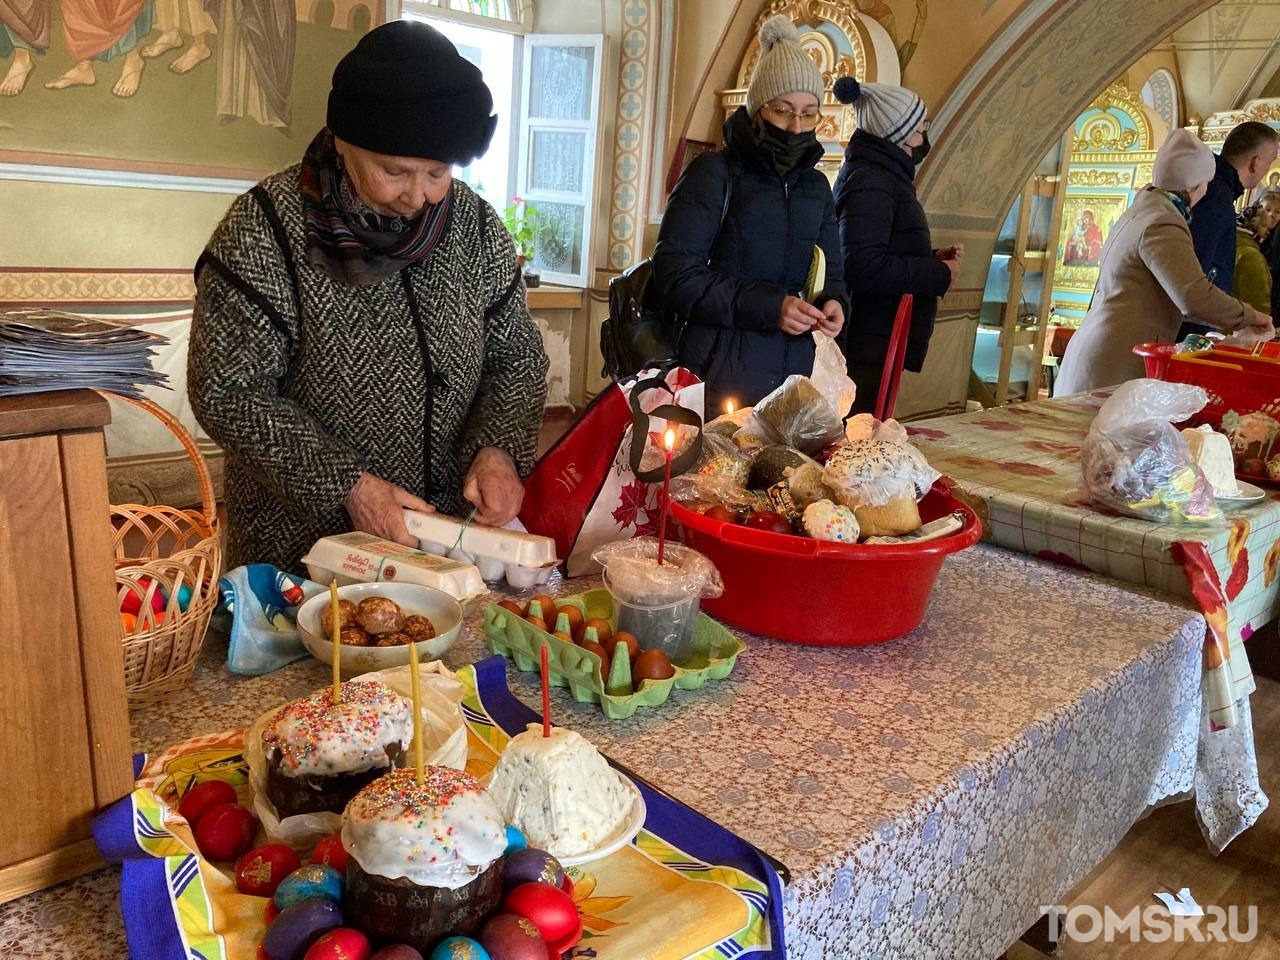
314	738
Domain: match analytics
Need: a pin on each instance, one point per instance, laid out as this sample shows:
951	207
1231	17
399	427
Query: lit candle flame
729	407
669	440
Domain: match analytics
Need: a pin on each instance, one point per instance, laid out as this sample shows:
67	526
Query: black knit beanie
405	91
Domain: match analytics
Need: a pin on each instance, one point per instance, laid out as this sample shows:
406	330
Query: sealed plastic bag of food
1135	461
797	415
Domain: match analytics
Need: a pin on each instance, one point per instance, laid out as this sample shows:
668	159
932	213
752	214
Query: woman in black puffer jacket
738	235
887	249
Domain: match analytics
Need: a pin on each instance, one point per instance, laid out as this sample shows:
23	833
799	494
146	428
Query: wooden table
65	747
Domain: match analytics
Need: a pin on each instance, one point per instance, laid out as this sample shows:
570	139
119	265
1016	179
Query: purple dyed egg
299	926
531	866
397	951
512	938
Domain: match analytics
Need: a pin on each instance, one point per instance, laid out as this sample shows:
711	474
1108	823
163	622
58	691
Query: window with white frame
546	92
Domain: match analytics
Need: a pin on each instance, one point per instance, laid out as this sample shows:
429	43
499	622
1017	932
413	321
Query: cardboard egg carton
524	559
362	557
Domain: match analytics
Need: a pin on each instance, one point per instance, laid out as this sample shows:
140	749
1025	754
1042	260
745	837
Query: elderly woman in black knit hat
361	342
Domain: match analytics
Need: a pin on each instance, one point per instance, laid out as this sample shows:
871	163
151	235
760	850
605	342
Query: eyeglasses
784	115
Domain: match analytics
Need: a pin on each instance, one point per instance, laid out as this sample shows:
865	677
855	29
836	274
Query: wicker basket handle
208	504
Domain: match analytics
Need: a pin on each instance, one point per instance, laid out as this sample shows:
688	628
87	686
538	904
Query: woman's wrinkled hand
493	486
832	321
376	506
798	317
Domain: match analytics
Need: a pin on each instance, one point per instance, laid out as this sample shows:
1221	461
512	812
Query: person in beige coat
1149	278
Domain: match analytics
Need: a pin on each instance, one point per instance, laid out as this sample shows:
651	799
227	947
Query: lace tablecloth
927	795
1019	467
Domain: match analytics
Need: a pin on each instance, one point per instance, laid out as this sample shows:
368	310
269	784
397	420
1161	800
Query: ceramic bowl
444	612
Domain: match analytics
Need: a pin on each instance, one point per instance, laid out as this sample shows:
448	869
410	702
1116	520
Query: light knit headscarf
882	109
1183	162
783	66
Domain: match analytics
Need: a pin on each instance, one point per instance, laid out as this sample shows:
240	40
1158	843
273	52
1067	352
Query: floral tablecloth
927	795
1019	467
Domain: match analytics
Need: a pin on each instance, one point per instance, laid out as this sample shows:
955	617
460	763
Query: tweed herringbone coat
306	385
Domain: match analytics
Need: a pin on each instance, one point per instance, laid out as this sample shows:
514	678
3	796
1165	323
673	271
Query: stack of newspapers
49	350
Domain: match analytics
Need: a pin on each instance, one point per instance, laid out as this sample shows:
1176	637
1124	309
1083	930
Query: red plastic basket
869	594
1235	379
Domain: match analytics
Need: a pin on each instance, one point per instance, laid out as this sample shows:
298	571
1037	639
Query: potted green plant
522	221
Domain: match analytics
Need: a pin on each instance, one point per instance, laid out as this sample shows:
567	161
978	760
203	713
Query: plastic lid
632	572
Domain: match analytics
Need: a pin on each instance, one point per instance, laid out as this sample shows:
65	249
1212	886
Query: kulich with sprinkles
423	860
320	755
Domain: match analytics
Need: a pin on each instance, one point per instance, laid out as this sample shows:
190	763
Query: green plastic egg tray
715	651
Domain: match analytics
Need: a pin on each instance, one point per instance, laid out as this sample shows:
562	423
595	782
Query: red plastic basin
820	592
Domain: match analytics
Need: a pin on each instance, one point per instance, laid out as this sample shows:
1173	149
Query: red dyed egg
512	938
132	602
225	832
271	912
331	853
260	871
203	797
343	943
552	910
768	520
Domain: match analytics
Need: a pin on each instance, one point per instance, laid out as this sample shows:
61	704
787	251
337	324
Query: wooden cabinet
64	744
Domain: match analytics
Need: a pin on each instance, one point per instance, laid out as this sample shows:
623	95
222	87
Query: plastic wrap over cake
872	473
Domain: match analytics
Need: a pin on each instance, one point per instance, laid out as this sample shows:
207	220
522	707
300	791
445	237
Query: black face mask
921	150
785	149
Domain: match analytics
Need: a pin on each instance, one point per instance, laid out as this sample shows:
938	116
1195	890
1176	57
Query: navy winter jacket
729	281
887	251
1213	225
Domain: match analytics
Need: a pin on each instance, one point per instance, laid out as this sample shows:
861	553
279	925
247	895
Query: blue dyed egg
459	948
531	866
298	927
184	597
315	881
515	841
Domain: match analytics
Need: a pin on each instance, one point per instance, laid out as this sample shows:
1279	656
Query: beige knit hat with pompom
783	66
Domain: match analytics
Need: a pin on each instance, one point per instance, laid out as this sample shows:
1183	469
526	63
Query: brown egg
353	636
512	606
379	615
630	642
561	635
592	647
603	630
577	623
418	628
546	605
394	640
346	617
537	622
651	665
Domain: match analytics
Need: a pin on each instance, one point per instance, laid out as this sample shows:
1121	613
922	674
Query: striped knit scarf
349	240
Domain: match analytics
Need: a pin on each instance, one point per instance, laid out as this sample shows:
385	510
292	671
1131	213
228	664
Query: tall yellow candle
337	642
418	766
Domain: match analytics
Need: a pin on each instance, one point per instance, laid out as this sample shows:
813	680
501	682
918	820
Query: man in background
1247	154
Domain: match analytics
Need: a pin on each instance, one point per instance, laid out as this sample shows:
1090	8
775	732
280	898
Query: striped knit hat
783	66
882	109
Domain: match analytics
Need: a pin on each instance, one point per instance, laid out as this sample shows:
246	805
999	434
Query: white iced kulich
444	832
